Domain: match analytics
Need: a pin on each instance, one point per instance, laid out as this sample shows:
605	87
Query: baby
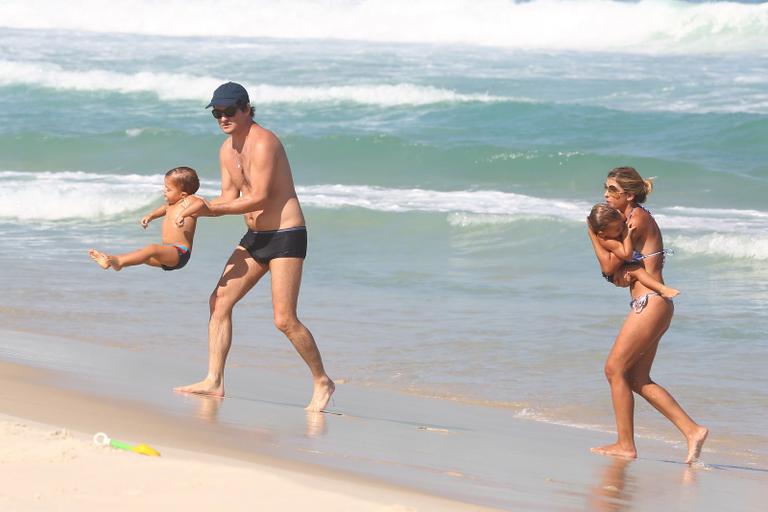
176	248
616	237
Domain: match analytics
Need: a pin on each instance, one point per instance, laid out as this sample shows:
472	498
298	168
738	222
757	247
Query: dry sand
47	468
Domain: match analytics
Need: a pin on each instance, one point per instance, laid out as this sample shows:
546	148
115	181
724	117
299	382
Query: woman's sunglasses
229	112
612	190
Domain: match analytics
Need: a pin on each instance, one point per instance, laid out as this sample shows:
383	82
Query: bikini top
637	256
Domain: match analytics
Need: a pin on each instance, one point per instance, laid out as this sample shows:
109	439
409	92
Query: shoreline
467	457
48	431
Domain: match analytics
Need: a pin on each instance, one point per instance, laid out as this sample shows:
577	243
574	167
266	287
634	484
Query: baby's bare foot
99	257
669	293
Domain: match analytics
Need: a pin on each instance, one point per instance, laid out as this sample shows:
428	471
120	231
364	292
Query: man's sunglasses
229	112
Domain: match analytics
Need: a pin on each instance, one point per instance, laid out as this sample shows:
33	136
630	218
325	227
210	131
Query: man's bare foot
321	395
204	387
99	257
695	442
615	450
669	293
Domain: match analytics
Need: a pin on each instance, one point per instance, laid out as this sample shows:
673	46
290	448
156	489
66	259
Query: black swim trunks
184	254
265	246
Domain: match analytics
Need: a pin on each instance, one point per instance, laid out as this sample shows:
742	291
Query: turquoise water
445	175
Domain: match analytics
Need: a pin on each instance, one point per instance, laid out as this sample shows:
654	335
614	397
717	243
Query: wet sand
375	446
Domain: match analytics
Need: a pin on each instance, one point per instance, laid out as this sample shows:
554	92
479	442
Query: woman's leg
662	400
634	339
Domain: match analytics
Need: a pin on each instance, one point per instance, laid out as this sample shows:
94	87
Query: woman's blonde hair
632	183
602	215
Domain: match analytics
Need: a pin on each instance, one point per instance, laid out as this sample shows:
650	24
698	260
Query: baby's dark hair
185	178
602	215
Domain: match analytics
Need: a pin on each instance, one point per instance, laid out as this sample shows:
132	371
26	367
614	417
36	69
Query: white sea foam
753	247
53	196
591	25
180	86
73	195
489	203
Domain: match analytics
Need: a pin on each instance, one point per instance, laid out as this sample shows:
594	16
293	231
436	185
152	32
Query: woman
628	367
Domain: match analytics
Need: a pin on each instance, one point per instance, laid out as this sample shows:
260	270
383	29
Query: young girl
176	248
616	237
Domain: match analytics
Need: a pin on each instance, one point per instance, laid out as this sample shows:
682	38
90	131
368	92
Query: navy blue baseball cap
228	94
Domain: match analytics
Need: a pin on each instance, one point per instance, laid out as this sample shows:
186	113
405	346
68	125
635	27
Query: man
256	182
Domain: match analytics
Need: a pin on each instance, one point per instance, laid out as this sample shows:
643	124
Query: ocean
445	154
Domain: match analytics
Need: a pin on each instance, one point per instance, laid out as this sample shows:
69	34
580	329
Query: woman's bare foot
695	442
615	450
204	387
99	257
321	395
669	293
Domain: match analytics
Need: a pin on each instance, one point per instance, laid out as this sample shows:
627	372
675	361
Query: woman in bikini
628	367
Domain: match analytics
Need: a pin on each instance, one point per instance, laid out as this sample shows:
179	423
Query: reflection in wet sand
316	424
614	491
208	406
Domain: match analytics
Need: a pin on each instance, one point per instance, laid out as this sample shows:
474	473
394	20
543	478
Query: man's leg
240	274
286	280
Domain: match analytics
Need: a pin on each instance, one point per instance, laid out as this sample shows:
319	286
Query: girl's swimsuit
184	254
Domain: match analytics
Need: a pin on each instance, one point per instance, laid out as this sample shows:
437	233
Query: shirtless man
256	182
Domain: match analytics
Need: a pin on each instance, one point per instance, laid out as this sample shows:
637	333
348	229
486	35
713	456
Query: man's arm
229	191
261	171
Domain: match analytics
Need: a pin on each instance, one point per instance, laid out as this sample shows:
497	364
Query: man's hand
194	206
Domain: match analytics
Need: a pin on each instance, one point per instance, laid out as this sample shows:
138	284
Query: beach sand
376	450
49	467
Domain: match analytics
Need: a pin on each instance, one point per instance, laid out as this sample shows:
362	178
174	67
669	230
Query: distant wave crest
584	25
179	86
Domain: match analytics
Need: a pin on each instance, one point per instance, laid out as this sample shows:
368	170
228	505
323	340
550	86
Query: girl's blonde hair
602	215
632	183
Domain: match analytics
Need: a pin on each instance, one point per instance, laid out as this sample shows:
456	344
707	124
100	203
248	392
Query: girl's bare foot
615	450
99	257
695	442
669	293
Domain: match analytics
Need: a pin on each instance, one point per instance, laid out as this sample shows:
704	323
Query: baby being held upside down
174	252
615	236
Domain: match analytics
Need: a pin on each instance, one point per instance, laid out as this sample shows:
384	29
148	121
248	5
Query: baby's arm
643	277
154	214
616	248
